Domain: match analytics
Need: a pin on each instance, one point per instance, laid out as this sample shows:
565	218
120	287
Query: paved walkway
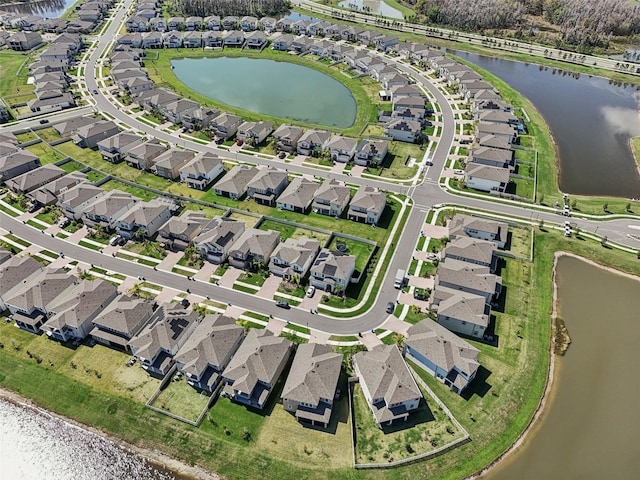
205	273
394	324
319	337
276	325
435	231
230	277
170	261
166	295
370	340
127	285
407	299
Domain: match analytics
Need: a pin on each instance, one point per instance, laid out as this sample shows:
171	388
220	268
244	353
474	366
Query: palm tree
140	234
136	290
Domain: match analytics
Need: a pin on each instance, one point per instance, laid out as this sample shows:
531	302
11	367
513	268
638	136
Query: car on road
391	307
282	304
311	291
43	121
95	92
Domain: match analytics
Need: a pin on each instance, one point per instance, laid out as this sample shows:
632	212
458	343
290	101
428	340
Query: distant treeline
256	8
587	23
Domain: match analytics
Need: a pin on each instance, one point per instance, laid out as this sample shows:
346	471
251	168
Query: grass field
361	250
49	134
289	231
135	191
10	82
180	399
635	148
45	153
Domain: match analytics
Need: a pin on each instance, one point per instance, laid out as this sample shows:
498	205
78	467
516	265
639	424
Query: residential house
267	185
494	141
34	179
217	237
75	200
225	125
172	39
193	23
29	301
480	228
371	153
311	386
367	205
486	178
208	351
106	209
472	250
24	41
320	48
158	24
14	272
192	40
498	129
284	24
472	88
212	22
403	130
135	23
175	23
255	40
146	218
332	271
48	194
387	384
400	91
51	103
282	42
469	278
234	39
312	142
157	343
342	149
297	197
156	99
151	40
268	24
113	149
254	133
17	163
255	368
301	44
493	157
230	22
287	137
293	258
200	118
75	309
168	164
498	116
385	42
253	247
202	170
235	183
176	111
462	312
443	354
180	232
248	23
88	136
143	156
331	198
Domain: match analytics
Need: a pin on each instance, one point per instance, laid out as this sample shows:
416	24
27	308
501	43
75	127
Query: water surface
279	89
591	121
43	8
35	445
591	426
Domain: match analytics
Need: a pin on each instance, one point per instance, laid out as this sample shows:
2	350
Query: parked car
282	155
64	222
239	142
457	171
32	207
282	304
114	240
311	291
391	307
185	303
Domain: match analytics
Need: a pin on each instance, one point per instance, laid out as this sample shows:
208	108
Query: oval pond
278	89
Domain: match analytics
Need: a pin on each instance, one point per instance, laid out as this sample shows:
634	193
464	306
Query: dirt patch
561	338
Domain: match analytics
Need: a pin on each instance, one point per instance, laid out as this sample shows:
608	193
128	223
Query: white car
311	291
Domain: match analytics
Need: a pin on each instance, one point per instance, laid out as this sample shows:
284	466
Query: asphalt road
424	195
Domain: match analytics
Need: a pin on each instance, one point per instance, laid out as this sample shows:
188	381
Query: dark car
391	307
185	303
282	304
43	121
281	155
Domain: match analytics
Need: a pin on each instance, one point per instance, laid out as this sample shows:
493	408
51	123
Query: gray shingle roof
15	270
123	315
299	193
35	178
470	249
221	232
467	275
109	204
314	374
42	290
237	179
369	198
487	172
466	308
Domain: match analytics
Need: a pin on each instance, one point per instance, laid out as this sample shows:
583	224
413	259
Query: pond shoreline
151	455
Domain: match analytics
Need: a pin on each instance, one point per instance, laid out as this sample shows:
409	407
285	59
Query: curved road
425	195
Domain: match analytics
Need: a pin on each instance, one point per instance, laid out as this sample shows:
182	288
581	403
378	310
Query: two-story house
120	321
342	149
217	238
469	278
294	257
106	209
313	142
158	342
480	228
168	164
387	384
145	218
267	185
88	136
202	170
180	232
114	149
208	351
254	133
253	247
234	184
443	354
287	137
255	368
332	271
331	198
367	205
311	386
297	197
371	153
74	201
143	156
225	125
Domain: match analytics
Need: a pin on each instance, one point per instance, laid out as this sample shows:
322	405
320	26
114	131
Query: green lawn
84	155
49	134
45	153
51	216
71	166
289	231
26	136
256	279
180	399
394	165
139	192
11	83
361	250
210	212
147	248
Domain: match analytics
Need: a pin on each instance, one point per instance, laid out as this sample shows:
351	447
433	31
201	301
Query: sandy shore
153	456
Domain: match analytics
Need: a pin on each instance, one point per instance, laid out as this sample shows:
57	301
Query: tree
140	234
605	208
136	290
603	242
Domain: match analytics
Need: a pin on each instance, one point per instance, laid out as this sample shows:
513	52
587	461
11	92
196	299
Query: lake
590	428
278	89
36	445
43	8
375	7
591	121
